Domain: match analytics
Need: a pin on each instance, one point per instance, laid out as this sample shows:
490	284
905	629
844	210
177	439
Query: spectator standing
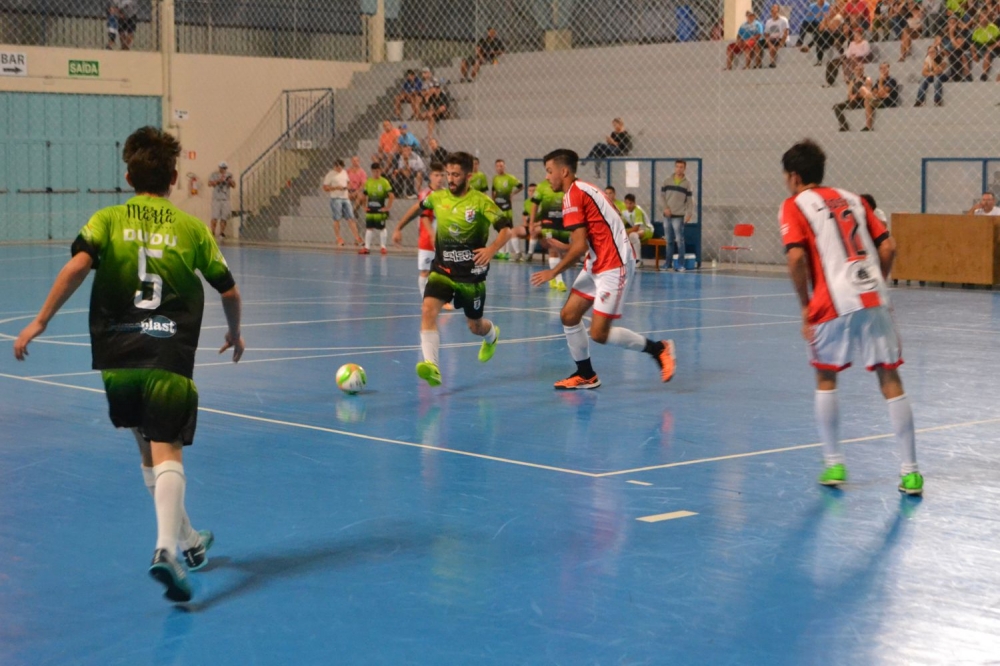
336	184
388	145
618	144
477	179
222	183
987	206
505	187
677	199
436	107
122	19
830	35
411	93
356	178
985	41
408	177
932	73
747	41
407	138
378	199
883	95
810	24
776	31
856	93
489	49
435	153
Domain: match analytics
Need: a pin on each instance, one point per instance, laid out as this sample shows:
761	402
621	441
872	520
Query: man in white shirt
221	183
988	205
776	33
409	174
335	184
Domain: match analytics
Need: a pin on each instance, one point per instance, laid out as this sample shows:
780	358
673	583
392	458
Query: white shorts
867	335
607	290
341	209
424	259
221	210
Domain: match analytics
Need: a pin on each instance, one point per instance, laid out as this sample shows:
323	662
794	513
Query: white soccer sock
622	337
636	246
491	335
553	262
169	500
514	245
188	537
828	421
578	342
369	233
382	235
901	418
532	246
422	283
430	343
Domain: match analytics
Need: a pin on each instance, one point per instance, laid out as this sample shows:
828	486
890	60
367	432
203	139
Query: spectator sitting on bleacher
388	146
426	79
987	206
411	93
618	144
986	42
637	224
122	19
489	49
856	11
408	176
407	138
435	153
932	71
911	31
747	41
810	24
776	31
830	35
436	107
883	95
858	51
957	47
856	93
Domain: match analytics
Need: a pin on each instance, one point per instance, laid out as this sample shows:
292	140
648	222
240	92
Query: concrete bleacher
738	121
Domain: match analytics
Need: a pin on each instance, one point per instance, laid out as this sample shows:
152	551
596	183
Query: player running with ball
596	230
833	240
461	262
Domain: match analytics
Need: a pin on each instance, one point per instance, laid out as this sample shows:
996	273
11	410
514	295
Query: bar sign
89	68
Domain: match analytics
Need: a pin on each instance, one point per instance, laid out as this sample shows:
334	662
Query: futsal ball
351	378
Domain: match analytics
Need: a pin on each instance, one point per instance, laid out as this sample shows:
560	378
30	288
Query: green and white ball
351	378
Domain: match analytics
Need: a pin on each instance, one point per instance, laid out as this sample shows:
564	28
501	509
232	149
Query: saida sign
85	68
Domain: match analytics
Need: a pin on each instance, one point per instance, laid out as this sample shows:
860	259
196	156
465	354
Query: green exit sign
84	68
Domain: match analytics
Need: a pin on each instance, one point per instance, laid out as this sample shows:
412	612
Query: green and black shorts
469	296
161	404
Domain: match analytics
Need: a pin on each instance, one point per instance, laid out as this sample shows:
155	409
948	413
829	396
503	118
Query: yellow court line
750	454
334	431
660	517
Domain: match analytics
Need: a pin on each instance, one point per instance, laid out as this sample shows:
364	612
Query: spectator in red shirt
857	11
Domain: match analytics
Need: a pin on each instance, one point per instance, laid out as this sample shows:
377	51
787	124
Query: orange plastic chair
742	239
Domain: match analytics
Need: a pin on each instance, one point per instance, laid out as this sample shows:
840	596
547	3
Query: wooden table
962	249
656	244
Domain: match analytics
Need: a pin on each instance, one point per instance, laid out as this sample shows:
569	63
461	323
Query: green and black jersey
147	300
549	206
503	190
463	226
377	191
478	182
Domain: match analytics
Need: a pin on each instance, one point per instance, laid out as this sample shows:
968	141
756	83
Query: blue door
60	159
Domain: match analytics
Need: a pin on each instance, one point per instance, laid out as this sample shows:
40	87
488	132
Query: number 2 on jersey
150	282
847	224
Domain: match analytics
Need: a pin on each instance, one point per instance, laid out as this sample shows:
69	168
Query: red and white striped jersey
585	204
425	241
840	235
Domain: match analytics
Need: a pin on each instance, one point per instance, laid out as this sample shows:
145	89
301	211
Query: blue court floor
493	520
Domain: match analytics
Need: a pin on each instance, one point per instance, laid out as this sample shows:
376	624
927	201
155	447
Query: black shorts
375	220
161	404
469	296
127	25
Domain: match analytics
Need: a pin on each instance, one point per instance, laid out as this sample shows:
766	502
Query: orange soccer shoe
577	383
667	360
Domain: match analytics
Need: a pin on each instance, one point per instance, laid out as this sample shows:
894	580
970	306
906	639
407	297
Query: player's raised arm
67	282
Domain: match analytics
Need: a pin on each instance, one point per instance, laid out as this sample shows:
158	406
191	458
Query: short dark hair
564	157
460	159
339	163
499	159
376	165
437	166
870	200
629	197
532	184
684	162
612	188
151	155
807	160
989	193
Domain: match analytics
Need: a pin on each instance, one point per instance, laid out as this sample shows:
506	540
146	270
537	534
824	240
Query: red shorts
740	47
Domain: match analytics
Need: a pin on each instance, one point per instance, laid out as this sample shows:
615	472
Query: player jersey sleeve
428	203
492	212
210	262
794	232
573	216
876	228
94	238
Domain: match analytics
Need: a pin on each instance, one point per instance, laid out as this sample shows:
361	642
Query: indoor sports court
494	520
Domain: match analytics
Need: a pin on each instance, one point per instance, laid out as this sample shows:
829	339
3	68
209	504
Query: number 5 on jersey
151	283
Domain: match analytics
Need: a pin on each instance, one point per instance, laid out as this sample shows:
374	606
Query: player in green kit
377	197
525	230
461	262
477	179
145	320
548	215
505	186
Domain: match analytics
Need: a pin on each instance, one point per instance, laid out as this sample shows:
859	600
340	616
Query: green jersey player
377	198
477	179
555	239
145	320
461	262
505	186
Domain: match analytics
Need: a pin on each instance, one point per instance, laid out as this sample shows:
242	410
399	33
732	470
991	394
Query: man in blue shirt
411	92
406	138
810	24
747	41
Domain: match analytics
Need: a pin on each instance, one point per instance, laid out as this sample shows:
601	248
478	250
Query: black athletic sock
653	348
585	369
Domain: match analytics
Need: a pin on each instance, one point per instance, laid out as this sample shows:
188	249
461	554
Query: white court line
660	517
